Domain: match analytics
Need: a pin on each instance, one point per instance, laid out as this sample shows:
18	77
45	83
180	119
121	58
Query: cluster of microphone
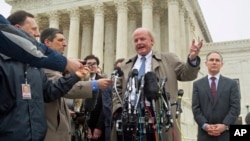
147	87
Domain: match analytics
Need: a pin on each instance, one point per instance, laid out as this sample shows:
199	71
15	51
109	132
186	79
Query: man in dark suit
215	105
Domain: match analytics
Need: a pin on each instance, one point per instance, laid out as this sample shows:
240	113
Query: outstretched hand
195	49
82	71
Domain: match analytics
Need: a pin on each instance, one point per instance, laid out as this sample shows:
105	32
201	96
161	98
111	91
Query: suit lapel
221	84
206	86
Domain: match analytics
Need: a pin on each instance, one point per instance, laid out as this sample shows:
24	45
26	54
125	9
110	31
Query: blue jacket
19	45
24	119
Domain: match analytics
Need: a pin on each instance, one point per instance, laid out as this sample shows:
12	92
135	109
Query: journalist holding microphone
163	65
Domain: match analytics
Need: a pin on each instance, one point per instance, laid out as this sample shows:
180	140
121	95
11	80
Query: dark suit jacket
96	119
224	109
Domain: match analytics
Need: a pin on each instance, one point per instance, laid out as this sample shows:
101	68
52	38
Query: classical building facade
104	28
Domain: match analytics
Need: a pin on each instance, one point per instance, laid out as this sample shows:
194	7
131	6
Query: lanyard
25	68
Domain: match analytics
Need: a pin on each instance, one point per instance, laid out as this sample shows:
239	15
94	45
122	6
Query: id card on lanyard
26	91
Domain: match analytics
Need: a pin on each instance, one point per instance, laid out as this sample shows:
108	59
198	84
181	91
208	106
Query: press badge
26	93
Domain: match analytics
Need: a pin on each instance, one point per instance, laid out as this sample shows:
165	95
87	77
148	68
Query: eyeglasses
91	63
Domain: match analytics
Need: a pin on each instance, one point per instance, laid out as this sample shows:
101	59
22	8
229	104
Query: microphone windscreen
151	87
119	71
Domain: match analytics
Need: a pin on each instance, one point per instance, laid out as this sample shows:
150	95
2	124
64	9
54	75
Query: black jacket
23	119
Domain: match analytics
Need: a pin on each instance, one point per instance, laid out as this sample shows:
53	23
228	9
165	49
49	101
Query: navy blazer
224	109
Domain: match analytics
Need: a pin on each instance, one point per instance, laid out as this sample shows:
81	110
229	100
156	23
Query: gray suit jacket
164	65
224	109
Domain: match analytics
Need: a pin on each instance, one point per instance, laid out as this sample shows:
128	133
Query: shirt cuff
94	85
204	126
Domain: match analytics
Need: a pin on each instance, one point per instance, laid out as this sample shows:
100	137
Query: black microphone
151	87
117	71
135	76
178	103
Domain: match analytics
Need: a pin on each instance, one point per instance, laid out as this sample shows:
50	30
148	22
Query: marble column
147	14
73	43
164	33
157	29
109	47
65	29
53	19
173	26
183	45
98	35
132	16
86	44
122	29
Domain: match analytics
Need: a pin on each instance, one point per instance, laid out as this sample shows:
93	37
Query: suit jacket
224	109
164	65
57	112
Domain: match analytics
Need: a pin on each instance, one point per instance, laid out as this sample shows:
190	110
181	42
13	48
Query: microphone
151	87
178	103
117	71
163	82
135	76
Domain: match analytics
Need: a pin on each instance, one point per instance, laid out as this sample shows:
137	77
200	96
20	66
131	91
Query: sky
226	20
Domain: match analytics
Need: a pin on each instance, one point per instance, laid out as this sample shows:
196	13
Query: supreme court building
104	28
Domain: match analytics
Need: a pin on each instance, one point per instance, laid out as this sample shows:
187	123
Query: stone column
65	29
86	44
173	26
122	29
98	32
157	29
53	19
147	14
109	47
164	33
73	43
132	16
183	45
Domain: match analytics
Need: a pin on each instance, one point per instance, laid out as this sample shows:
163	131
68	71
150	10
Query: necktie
142	68
213	87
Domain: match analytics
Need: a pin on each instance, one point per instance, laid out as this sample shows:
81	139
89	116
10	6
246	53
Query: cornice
201	20
227	47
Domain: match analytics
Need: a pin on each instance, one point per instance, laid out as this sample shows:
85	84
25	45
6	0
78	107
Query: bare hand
97	133
104	83
195	49
82	72
73	65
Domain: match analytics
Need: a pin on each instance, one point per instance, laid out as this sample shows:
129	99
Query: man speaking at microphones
163	65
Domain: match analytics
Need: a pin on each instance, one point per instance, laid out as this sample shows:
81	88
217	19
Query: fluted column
131	28
53	19
164	33
98	32
173	26
122	29
86	43
182	42
147	14
109	47
157	29
65	29
73	44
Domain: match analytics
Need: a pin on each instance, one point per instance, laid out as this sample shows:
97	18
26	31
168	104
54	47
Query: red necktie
213	87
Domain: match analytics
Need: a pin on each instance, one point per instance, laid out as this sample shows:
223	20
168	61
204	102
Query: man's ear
17	25
46	42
